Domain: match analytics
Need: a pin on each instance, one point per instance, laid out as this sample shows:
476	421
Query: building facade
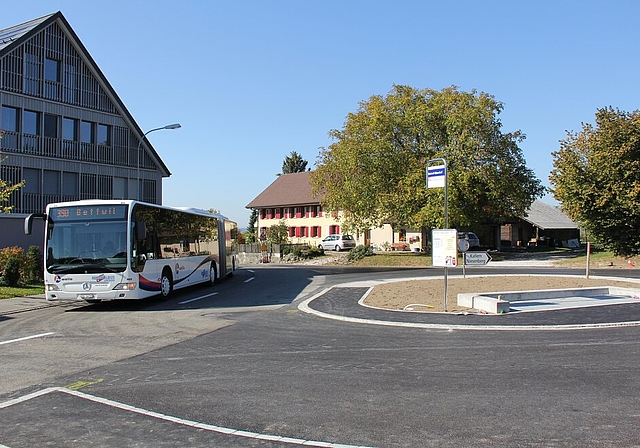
65	131
289	200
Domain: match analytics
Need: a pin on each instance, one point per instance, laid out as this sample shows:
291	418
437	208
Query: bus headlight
52	287
125	286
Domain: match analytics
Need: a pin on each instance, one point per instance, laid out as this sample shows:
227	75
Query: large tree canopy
375	171
596	178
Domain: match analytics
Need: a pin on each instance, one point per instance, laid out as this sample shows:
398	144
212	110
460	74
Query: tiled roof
287	190
548	217
13	33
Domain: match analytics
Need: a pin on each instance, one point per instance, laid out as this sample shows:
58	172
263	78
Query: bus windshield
82	239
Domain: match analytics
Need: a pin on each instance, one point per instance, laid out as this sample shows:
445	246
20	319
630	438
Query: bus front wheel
166	283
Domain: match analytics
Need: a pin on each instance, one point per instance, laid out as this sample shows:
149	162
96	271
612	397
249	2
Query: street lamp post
169	126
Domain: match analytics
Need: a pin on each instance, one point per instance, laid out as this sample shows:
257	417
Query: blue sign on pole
436	176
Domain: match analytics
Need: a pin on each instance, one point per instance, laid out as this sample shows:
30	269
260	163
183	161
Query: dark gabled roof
548	217
287	190
14	33
12	37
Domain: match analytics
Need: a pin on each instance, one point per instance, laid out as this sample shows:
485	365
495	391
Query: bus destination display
89	212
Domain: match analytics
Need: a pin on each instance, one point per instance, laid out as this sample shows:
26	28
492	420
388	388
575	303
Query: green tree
251	234
375	171
278	233
6	189
596	178
294	163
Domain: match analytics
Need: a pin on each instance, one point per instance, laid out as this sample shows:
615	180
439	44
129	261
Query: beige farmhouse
289	199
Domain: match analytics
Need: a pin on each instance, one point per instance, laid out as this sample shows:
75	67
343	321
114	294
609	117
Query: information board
444	247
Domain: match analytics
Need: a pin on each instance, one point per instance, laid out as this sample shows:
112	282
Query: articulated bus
124	249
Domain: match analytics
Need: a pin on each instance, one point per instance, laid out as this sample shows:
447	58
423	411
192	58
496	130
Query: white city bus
123	249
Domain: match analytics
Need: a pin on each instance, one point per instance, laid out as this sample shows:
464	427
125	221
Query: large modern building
65	131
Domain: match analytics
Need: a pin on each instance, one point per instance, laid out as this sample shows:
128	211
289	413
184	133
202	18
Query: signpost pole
437	183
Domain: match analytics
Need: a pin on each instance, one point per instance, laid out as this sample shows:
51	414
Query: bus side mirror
141	230
28	221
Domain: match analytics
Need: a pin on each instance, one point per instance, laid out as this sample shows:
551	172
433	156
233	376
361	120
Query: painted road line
250	279
197	298
180	421
41	335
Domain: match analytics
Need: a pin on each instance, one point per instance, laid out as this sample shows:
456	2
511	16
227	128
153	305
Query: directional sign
476	258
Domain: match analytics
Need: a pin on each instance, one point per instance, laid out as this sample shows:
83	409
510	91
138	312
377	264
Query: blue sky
251	81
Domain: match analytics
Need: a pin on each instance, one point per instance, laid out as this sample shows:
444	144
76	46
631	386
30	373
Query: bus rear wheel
166	283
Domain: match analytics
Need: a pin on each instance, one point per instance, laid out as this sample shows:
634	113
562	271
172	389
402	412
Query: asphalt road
245	367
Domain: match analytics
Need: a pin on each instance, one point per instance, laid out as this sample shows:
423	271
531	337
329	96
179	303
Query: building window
50	126
316	231
334	229
51	70
86	132
104	135
9	119
70	185
30	123
31	181
69	129
32	74
51	183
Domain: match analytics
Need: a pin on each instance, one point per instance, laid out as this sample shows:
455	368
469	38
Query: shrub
12	271
32	268
359	252
9	252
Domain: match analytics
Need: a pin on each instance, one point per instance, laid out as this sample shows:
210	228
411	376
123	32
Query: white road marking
180	421
197	298
27	338
249	279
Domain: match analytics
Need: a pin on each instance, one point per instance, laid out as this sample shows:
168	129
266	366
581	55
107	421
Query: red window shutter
261	213
319	232
319	210
337	229
291	231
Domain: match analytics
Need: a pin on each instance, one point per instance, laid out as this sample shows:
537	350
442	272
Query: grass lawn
7	292
400	259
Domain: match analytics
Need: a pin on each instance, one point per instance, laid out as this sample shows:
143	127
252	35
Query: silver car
474	241
337	242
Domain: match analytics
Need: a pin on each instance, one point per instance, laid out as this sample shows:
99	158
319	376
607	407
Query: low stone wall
248	258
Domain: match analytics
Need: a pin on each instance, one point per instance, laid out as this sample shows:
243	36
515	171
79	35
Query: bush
360	252
295	253
32	268
12	271
9	252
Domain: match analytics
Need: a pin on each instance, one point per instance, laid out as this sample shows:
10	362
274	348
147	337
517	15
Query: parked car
337	242
474	241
